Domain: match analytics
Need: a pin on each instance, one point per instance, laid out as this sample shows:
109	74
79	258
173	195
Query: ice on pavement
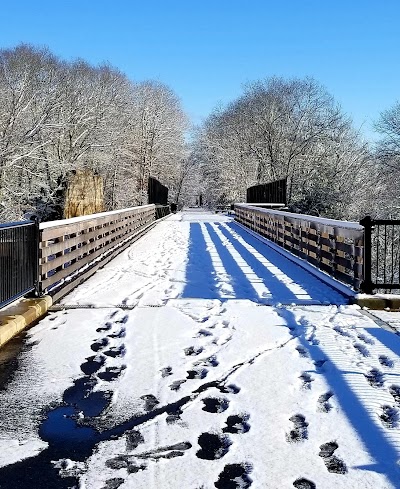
219	363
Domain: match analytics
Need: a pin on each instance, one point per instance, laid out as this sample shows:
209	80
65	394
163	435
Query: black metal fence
162	211
157	193
381	255
19	260
272	192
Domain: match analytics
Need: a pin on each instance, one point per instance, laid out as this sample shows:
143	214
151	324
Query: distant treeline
58	116
293	129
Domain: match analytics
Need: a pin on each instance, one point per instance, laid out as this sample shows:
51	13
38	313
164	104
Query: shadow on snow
202	280
381	450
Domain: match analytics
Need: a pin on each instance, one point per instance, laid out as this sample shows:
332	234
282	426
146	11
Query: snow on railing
335	247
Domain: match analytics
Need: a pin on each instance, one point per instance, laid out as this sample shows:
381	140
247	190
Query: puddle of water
61	431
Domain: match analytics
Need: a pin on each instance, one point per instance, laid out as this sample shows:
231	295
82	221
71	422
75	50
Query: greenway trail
202	358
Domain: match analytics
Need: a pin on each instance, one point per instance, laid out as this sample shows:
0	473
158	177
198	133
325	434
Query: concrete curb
378	303
17	317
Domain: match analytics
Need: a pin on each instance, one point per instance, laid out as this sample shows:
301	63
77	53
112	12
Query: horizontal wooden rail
335	247
71	246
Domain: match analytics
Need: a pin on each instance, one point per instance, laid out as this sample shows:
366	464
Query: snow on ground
389	317
209	360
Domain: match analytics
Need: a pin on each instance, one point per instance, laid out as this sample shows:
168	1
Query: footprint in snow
167	452
192	351
197	373
306	379
208	362
215	404
223	340
213	446
81	389
374	378
92	364
99	344
304	484
395	392
361	349
173	415
124	462
332	463
106	327
385	361
111	373
123	320
133	439
166	371
237	424
319	364
302	351
299	431
229	389
176	385
113	483
324	405
119	334
116	351
365	339
341	331
327	449
150	402
235	476
313	340
389	416
203	332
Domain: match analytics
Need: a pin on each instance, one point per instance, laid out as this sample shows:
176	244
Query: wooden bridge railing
335	247
73	249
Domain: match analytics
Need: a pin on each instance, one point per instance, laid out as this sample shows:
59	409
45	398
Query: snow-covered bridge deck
206	360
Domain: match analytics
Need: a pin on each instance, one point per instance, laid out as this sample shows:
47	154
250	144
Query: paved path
200	358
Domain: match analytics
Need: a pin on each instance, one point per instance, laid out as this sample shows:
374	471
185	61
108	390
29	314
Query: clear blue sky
206	50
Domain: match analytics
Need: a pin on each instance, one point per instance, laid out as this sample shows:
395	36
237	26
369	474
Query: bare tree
389	146
155	142
28	81
283	129
387	152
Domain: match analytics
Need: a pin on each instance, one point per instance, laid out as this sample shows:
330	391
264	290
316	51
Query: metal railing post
38	284
366	285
